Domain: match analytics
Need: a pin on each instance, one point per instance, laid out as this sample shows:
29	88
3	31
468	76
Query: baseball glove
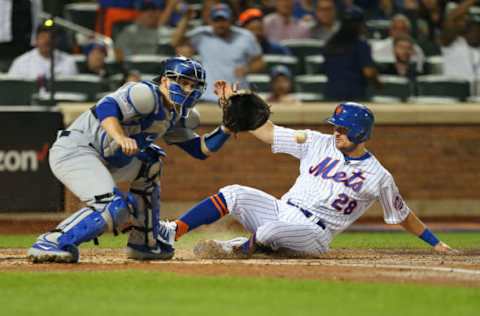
244	111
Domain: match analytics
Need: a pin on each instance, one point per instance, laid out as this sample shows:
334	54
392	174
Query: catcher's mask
180	67
356	118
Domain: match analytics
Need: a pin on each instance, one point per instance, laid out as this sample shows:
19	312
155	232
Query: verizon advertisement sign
26	182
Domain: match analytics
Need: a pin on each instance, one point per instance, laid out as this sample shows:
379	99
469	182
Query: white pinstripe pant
275	223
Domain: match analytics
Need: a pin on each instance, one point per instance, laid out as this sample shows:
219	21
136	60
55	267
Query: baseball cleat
167	231
163	251
237	248
44	250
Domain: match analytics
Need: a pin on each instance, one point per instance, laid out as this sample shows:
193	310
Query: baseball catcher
113	142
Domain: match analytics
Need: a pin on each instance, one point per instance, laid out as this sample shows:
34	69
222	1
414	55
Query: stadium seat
145	63
114	67
118	27
89	85
314	64
443	86
310	84
5	64
80	60
290	62
377	29
44	98
434	65
432	100
302	48
16	91
309	97
259	82
84	14
394	87
111	64
165	48
383	65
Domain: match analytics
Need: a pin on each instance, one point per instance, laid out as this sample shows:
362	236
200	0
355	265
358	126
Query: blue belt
307	214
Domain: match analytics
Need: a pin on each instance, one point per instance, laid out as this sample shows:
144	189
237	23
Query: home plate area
379	265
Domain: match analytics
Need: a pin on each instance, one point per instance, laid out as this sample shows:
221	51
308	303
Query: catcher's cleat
162	251
167	232
237	248
44	250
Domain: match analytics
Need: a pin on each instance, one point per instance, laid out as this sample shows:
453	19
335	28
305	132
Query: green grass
159	293
458	240
151	293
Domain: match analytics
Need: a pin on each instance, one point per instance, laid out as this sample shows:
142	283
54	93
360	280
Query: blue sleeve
106	108
193	147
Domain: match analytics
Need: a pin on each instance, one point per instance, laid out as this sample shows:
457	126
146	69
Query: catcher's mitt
244	111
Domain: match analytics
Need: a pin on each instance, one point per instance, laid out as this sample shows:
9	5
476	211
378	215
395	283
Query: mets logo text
325	170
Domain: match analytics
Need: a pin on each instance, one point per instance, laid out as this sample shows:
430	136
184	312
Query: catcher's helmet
356	118
182	67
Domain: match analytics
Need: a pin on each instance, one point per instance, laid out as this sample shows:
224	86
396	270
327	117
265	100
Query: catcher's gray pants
276	223
81	169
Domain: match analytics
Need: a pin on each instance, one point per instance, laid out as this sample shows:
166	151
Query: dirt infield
391	266
379	265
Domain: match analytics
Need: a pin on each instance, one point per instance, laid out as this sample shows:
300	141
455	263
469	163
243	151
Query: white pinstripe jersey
335	188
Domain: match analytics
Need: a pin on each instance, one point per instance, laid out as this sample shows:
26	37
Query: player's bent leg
296	238
60	244
207	211
251	207
143	240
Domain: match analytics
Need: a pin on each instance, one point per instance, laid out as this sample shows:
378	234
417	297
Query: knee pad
116	208
120	209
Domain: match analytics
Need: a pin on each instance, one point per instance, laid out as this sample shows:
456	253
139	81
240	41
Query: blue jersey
140	109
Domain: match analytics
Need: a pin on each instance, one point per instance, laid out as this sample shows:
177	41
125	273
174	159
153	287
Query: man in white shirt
36	62
461	45
383	50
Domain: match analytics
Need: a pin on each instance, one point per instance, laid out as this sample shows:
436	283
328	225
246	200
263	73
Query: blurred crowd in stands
289	50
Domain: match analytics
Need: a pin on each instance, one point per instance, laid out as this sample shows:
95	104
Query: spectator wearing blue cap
96	54
227	52
281	86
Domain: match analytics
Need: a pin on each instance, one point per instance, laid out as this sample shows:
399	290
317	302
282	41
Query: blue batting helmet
356	118
181	67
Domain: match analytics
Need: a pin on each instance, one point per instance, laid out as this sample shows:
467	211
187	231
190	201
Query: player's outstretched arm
416	227
265	132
